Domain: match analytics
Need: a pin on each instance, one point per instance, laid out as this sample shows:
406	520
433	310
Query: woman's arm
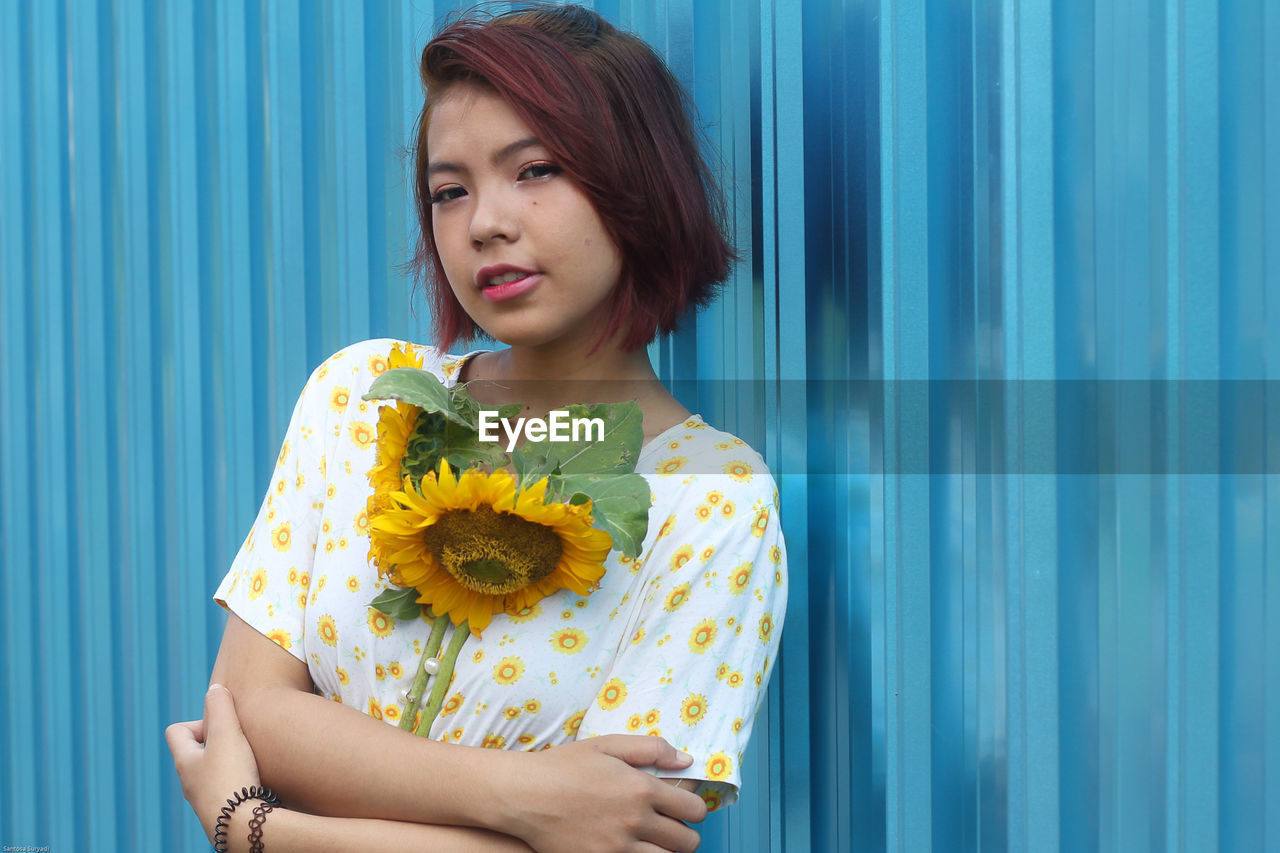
298	832
213	759
338	762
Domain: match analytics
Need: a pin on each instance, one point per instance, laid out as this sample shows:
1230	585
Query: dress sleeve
269	579
704	633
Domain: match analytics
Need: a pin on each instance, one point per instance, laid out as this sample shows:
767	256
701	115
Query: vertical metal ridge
56	623
231	295
186	237
1242	685
1270	509
101	761
785	330
1174	763
1198	358
292	324
138	116
17	459
1035	556
905	201
351	153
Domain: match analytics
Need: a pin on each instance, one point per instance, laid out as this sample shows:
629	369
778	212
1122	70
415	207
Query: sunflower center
493	552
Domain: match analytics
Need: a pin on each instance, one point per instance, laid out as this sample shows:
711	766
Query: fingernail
214	686
688	756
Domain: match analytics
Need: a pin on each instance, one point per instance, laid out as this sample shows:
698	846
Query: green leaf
467	407
619	504
615	453
464	449
435	438
532	463
398	603
418	387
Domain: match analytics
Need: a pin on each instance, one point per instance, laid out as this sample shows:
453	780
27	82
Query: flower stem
441	685
414	702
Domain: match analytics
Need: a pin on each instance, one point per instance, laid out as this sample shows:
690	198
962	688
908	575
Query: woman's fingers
647	847
185	739
643	751
230	753
220	713
212	757
671	835
680	804
589	796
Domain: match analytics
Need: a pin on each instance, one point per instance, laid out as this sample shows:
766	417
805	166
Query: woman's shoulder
357	365
693	454
374	356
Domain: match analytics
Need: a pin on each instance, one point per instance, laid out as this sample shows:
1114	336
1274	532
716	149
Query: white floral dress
677	643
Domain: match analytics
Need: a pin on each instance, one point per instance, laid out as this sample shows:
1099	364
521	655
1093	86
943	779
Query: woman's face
524	251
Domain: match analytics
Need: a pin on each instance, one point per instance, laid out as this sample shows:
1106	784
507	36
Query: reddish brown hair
615	119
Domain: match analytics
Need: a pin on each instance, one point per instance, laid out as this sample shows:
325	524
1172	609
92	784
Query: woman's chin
531	337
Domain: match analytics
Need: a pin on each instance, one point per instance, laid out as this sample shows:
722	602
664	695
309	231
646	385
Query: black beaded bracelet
260	813
256	792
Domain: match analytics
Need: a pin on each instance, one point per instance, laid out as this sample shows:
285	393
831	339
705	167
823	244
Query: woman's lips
512	289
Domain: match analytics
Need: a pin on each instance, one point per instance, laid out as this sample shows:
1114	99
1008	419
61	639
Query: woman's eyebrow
511	148
442	166
499	156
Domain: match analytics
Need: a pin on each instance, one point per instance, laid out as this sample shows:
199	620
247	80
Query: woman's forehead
472	121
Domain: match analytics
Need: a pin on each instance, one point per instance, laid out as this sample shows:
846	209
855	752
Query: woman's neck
608	363
547	380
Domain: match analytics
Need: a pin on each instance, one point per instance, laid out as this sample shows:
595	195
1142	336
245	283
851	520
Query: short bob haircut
618	123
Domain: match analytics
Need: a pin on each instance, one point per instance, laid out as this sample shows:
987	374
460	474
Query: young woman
565	211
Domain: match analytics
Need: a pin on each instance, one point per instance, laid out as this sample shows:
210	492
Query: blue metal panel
785	333
17	510
232	291
140	656
97	520
903	564
1019	621
51	411
1270	369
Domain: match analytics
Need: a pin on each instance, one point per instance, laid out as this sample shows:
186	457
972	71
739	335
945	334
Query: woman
566	212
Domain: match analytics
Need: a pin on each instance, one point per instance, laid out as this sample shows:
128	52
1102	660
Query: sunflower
693	709
508	671
612	694
676	597
395	427
568	641
574	723
719	766
703	636
473	546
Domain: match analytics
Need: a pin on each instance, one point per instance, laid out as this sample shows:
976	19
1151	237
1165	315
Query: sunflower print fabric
678	643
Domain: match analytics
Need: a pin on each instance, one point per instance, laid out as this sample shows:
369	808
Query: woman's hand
588	796
212	757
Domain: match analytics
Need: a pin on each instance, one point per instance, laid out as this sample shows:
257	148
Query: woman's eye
538	170
447	194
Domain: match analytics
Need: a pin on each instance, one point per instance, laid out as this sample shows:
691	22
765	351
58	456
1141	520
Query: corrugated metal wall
1001	330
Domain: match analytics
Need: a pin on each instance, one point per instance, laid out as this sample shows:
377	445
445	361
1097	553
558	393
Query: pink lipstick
526	281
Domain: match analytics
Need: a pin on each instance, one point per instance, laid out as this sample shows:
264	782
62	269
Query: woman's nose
494	217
